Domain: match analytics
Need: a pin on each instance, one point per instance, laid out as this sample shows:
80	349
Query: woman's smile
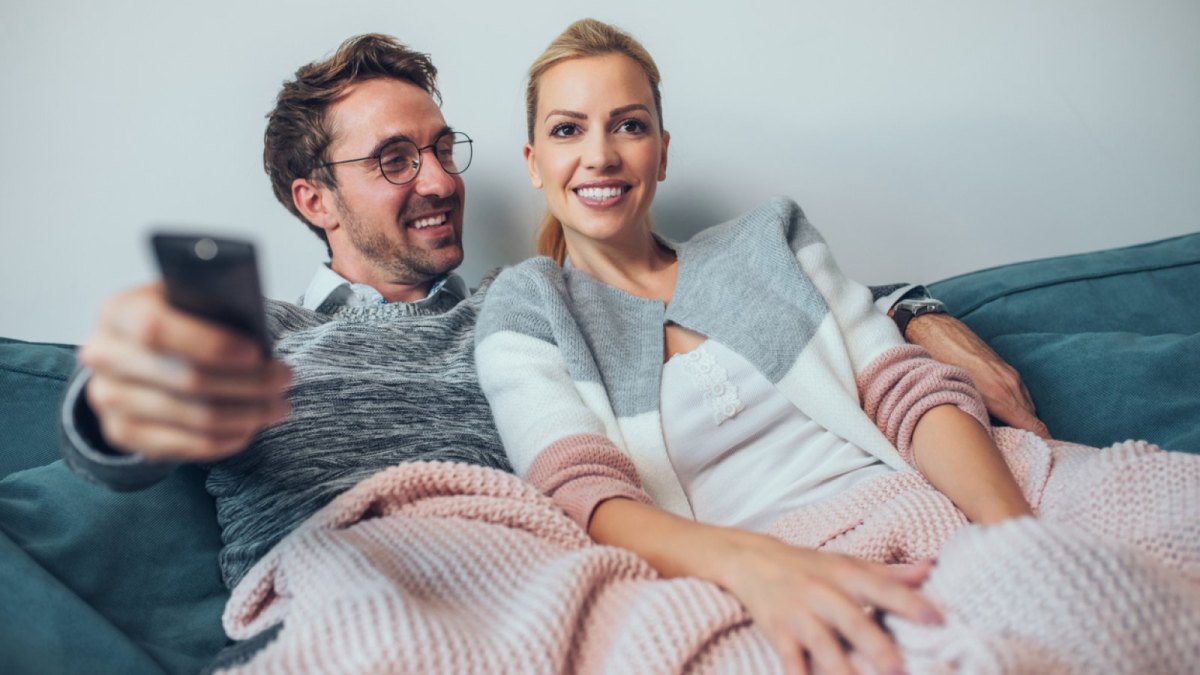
598	149
601	194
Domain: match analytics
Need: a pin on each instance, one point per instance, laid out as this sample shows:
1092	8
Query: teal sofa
93	581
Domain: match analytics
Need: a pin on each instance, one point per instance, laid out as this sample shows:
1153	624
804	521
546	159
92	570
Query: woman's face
598	152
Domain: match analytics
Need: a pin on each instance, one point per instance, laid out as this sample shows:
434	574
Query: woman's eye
632	126
564	130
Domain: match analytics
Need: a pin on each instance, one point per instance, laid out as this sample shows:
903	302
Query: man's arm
950	341
159	387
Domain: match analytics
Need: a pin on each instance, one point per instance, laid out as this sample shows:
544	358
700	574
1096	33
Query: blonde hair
586	37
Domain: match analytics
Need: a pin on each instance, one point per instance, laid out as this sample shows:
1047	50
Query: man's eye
564	130
395	160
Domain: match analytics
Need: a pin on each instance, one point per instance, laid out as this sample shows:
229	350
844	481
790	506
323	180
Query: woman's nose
600	153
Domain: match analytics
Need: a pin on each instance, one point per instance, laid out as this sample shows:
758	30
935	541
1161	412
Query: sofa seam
34	373
1067	280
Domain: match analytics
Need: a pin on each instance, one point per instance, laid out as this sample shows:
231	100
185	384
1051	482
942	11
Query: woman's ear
662	162
531	165
314	203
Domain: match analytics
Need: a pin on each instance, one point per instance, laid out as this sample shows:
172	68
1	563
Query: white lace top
744	454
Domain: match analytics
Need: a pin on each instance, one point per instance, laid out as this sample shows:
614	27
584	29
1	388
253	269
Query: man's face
387	234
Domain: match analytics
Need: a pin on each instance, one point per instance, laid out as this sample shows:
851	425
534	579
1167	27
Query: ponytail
550	240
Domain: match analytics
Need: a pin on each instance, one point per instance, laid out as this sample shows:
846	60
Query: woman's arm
803	600
931	412
959	458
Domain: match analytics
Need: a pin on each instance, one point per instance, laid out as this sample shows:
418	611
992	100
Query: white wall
926	138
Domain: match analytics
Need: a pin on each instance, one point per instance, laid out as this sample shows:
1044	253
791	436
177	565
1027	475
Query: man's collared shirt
329	291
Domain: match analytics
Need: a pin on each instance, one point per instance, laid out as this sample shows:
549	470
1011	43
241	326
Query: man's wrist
914	304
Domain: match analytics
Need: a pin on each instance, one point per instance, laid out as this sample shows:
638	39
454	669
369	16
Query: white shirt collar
329	290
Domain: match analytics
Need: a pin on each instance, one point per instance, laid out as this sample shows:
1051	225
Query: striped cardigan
572	366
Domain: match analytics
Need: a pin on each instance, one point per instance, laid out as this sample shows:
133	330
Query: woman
682	400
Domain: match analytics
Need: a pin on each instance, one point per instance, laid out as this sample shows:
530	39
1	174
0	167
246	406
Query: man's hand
950	341
174	387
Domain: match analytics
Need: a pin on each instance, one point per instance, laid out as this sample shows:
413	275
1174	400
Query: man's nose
433	180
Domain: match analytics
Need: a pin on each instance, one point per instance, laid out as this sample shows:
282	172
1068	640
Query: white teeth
430	221
599	193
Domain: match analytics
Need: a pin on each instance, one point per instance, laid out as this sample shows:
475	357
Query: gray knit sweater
373	386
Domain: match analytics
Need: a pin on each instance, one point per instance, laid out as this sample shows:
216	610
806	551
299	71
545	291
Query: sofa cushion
1107	342
1150	289
106	581
32	378
1103	388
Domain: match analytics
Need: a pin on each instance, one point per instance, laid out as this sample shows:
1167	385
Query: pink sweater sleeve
581	471
904	383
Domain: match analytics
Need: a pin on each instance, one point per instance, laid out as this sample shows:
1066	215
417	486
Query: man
375	365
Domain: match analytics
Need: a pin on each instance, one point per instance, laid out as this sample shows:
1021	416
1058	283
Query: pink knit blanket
450	568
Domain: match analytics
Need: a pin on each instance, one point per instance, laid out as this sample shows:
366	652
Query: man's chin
446	258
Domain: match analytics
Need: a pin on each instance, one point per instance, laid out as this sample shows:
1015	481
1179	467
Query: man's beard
401	263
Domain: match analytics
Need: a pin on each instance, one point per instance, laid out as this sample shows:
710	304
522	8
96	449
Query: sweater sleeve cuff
582	471
85	451
886	297
904	383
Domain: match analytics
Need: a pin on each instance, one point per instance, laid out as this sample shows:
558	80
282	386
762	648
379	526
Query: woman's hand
821	602
801	598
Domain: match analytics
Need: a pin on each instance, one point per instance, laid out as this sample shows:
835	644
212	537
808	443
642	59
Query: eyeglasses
400	160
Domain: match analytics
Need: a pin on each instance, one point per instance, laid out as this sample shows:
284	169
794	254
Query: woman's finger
861	632
823	646
873	584
909	574
790	652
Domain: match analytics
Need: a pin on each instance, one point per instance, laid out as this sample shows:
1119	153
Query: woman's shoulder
522	295
775	220
539	276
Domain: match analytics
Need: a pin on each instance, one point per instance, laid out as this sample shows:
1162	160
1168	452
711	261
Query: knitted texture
435	567
1103	581
372	387
449	568
579	472
562	354
904	383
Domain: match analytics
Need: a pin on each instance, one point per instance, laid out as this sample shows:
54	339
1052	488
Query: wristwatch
910	308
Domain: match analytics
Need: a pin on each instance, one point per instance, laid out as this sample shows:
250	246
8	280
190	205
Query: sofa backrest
32	378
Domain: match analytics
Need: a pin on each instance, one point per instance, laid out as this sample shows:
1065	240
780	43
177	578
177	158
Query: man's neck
390	290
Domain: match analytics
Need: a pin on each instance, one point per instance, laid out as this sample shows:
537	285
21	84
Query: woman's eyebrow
565	113
628	108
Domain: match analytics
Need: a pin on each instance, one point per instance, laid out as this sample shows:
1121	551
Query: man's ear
315	203
531	165
662	163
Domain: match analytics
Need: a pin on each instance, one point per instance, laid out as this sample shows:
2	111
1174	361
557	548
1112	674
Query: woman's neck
639	266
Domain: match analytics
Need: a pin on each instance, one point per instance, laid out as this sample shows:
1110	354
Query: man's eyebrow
390	139
628	108
405	137
565	113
